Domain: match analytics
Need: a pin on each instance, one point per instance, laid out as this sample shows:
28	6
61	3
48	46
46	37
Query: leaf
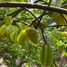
56	3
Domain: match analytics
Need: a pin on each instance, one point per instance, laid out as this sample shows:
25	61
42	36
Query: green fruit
49	55
32	35
65	16
2	30
8	20
63	34
22	37
21	26
46	55
10	29
13	35
43	55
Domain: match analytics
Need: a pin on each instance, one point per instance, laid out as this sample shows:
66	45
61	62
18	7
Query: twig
56	25
38	18
15	13
61	61
31	13
41	16
65	5
42	31
54	63
33	16
44	39
20	20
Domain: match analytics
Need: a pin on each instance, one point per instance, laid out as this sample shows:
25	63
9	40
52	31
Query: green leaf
56	3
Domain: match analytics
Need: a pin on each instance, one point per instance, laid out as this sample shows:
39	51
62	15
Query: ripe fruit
8	20
32	35
22	37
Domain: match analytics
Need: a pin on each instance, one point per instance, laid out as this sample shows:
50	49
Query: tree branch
37	6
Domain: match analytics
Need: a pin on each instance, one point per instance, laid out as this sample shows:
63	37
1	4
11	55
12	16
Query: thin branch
31	13
44	39
37	18
42	31
56	25
37	6
65	5
20	20
41	16
33	16
15	13
54	63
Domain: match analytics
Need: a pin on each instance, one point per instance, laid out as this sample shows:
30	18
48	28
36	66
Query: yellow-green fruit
64	34
8	20
58	18
2	30
33	35
21	26
22	37
65	16
13	35
10	29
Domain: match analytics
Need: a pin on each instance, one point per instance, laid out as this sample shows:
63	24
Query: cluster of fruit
20	33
